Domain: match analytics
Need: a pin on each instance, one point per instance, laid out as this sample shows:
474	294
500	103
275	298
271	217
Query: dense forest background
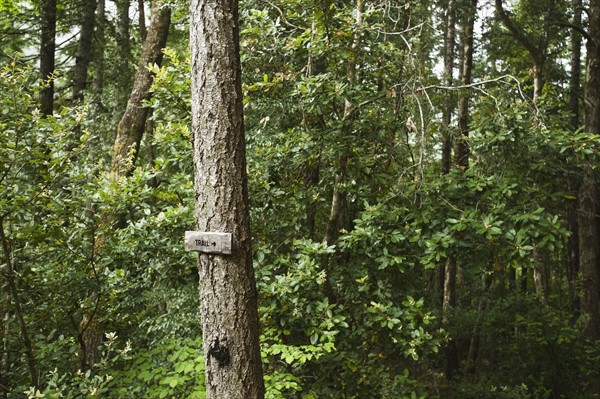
423	186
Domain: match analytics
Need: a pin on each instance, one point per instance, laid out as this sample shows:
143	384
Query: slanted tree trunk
228	294
537	50
47	56
84	49
132	124
127	142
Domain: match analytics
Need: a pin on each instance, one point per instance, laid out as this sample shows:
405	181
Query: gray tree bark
537	50
124	60
228	295
132	124
462	146
99	56
47	56
84	49
449	44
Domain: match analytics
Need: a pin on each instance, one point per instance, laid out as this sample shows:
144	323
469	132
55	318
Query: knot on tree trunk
220	352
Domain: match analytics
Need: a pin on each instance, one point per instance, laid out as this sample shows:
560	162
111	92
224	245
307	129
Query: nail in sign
212	243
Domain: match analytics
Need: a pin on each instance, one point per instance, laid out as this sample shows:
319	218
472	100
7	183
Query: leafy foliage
354	314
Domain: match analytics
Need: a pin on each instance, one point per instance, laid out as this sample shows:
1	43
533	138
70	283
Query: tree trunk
337	197
122	37
540	276
589	254
537	50
131	127
99	54
449	41
462	145
313	167
462	162
5	365
142	19
439	273
228	294
84	49
572	263
47	56
575	94
312	181
127	142
575	78
19	312
538	79
451	350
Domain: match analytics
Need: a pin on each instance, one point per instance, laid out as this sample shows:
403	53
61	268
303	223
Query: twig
282	15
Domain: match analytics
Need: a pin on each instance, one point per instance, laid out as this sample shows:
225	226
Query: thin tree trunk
122	37
538	79
462	162
84	49
540	276
462	146
142	19
47	56
337	198
19	312
5	366
575	94
228	294
589	254
474	343
332	229
572	263
99	54
312	180
127	142
313	171
523	279
446	162
451	350
575	78
449	42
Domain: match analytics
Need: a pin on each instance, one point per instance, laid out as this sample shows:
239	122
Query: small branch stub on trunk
212	243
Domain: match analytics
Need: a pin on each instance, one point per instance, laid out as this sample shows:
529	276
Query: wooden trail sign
212	243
